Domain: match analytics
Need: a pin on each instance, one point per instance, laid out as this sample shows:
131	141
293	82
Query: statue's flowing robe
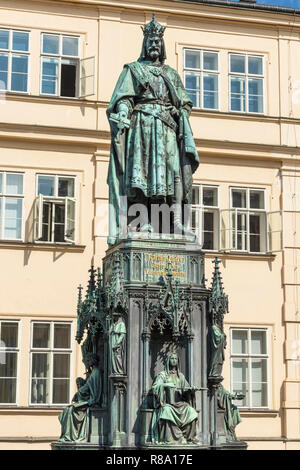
218	344
74	418
169	404
158	147
117	338
231	413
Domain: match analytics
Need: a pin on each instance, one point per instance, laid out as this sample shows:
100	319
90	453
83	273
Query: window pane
237	64
9	368
9	334
238	198
4	39
210	97
62	335
3	62
66	187
208	221
257	200
192	59
61	390
14	183
237	94
239	370
255	65
255	90
49	76
210	61
195	195
254	224
20	41
259	370
40	378
50	44
239	342
3	71
259	394
1	179
61	366
13	218
18	82
70	46
8	389
258	342
210	197
192	85
41	335
46	185
3	80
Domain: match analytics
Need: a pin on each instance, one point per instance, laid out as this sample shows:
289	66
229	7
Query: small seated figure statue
74	418
231	413
174	418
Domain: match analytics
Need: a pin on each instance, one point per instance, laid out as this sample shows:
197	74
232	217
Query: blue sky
281	3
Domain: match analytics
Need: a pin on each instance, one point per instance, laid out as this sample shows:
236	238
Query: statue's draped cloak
74	418
151	153
169	404
117	348
218	344
231	413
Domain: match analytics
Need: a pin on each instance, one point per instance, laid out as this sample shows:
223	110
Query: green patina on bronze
174	417
153	154
231	413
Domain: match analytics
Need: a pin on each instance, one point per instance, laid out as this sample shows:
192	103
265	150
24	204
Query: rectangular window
248	220
55	209
201	77
246	83
11	205
14	59
60	65
249	366
9	352
205	215
50	363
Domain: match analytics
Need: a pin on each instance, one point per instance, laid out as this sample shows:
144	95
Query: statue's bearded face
153	47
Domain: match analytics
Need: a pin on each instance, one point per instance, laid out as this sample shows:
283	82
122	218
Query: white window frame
3	198
60	57
246	76
201	208
41	199
248	212
13	349
10	51
81	91
51	351
202	71
249	356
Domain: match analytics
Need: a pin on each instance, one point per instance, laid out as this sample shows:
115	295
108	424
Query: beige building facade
59	62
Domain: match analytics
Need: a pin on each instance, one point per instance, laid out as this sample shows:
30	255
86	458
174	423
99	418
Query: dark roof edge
246	6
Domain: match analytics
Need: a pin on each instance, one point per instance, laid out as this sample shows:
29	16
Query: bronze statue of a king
153	154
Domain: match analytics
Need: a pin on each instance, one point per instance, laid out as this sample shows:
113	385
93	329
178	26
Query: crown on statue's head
153	28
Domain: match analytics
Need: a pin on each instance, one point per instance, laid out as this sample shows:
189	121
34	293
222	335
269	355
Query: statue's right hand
169	385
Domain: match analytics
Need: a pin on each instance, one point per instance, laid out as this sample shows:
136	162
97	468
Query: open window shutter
70	220
87	77
38	217
274	231
225	229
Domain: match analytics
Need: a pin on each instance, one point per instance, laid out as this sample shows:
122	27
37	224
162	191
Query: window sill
54	408
237	255
257	412
41	246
